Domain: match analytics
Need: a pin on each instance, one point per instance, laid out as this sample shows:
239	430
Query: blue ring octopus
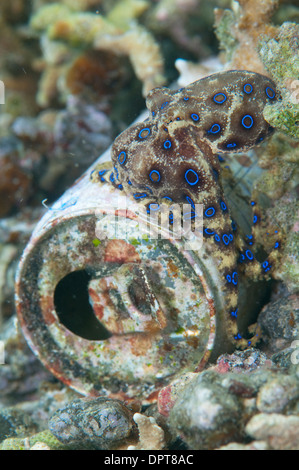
174	156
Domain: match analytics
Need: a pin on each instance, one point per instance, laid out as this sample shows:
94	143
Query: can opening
73	307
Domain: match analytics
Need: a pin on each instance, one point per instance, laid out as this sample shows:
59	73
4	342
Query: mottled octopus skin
173	156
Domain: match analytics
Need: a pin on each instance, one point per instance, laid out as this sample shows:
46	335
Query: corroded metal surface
116	313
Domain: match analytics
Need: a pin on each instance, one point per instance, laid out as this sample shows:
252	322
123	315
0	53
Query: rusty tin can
115	314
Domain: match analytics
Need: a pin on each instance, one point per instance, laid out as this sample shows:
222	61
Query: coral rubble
75	73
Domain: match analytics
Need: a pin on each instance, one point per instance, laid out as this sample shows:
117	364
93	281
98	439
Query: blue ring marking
214	129
167	144
252	203
221	159
122	156
235	278
101	173
260	139
231	237
167	197
219	94
151	208
129	182
208	210
251	121
120	186
223	206
153	113
188	199
231	145
149	189
247	91
116	171
209	232
139	195
216	174
228	278
266	266
272	93
156	173
242	258
225	239
185	98
194	117
234	313
238	336
164	104
178	118
194	173
277	244
249	237
147	129
192	215
112	177
249	254
217	238
255	219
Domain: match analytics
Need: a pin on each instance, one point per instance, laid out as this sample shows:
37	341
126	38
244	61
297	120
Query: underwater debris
56	145
279	321
15	180
63	143
277	185
278	431
26	443
151	436
97	423
280	55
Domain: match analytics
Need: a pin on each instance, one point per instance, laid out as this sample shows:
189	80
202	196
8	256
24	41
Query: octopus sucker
174	156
